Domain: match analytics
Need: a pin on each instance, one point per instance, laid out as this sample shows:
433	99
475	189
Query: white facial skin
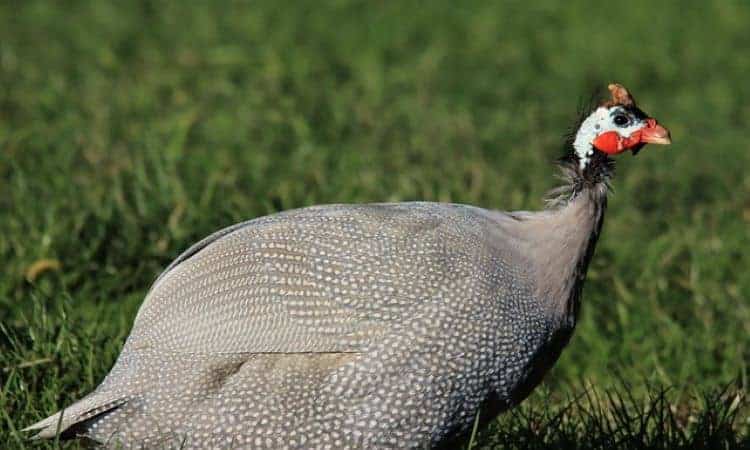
602	120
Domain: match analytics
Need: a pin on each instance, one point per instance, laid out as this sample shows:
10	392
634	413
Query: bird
385	325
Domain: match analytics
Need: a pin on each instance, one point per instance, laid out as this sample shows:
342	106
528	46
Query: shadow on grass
617	419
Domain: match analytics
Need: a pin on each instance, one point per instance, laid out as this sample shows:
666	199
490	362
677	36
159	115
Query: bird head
615	126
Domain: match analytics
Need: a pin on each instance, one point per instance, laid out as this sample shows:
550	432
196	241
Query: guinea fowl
360	326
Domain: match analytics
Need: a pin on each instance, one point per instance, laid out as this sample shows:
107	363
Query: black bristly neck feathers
594	177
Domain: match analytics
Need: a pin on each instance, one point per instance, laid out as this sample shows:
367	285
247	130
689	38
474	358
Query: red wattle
609	142
612	143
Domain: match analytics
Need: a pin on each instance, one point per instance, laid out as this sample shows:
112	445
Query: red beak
655	134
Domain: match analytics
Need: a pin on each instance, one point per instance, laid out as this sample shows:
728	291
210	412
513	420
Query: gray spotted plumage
349	326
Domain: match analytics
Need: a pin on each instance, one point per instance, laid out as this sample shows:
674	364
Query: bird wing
321	279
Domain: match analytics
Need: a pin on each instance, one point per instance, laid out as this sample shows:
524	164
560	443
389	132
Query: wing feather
322	279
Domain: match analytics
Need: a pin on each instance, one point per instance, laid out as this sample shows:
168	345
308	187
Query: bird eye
621	120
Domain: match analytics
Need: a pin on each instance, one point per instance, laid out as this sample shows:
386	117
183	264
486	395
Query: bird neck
568	232
592	173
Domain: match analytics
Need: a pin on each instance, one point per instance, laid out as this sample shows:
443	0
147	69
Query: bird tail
74	417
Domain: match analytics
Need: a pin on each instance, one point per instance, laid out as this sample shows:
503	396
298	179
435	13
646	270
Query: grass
129	130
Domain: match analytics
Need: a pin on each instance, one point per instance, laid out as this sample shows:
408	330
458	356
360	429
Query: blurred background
129	130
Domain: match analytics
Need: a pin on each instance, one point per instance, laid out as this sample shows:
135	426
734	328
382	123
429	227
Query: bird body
349	326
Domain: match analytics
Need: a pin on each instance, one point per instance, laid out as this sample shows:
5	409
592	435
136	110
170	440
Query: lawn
129	130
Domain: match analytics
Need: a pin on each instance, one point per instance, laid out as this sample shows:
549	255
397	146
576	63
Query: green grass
129	130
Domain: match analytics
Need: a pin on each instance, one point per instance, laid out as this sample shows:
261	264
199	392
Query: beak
655	134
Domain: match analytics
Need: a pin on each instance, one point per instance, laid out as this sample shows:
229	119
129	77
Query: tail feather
84	410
